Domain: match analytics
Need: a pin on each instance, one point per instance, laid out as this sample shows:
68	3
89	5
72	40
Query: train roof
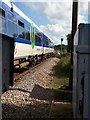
17	10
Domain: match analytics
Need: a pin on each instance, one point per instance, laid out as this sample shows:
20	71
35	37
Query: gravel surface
31	96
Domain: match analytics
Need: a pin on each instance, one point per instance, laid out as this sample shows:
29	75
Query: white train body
24	50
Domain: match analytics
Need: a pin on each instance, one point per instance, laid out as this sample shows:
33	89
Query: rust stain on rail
27	71
24	73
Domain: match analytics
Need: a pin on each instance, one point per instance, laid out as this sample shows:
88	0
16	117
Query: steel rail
28	71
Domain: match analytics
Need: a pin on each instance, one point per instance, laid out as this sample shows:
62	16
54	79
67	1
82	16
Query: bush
63	67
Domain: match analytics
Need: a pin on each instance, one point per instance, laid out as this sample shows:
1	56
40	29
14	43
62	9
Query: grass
62	67
62	106
61	73
60	82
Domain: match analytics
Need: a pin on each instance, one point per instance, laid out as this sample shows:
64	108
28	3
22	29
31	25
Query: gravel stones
31	96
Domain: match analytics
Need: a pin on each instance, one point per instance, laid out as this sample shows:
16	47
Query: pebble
30	97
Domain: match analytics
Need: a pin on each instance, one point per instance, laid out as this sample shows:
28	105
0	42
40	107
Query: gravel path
31	96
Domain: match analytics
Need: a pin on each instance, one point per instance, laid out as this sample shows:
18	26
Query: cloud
81	19
59	15
83	12
55	31
49	0
83	7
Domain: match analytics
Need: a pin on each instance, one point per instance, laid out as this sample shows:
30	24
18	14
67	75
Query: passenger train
31	43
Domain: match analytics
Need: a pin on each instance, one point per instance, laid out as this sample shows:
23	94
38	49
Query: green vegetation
69	40
58	48
61	73
62	67
60	82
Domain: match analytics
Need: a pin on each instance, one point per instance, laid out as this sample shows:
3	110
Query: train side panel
21	31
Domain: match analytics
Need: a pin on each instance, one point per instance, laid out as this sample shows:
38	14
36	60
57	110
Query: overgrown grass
60	82
61	73
62	68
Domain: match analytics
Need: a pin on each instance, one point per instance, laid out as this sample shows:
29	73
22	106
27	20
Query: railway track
19	75
31	96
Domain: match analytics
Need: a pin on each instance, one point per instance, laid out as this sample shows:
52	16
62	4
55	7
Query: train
30	42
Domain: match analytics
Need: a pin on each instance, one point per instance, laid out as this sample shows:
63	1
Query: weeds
61	73
62	68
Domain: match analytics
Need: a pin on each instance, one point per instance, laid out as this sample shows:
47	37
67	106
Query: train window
2	25
12	29
50	43
47	42
21	29
12	26
27	33
21	24
12	18
37	38
2	12
2	21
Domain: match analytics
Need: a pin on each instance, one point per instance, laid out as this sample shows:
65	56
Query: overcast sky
54	18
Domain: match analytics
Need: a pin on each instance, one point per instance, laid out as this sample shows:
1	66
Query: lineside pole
0	74
74	28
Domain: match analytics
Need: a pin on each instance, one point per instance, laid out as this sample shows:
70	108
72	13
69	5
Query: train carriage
30	41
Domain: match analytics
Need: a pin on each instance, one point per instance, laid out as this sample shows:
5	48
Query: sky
54	17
